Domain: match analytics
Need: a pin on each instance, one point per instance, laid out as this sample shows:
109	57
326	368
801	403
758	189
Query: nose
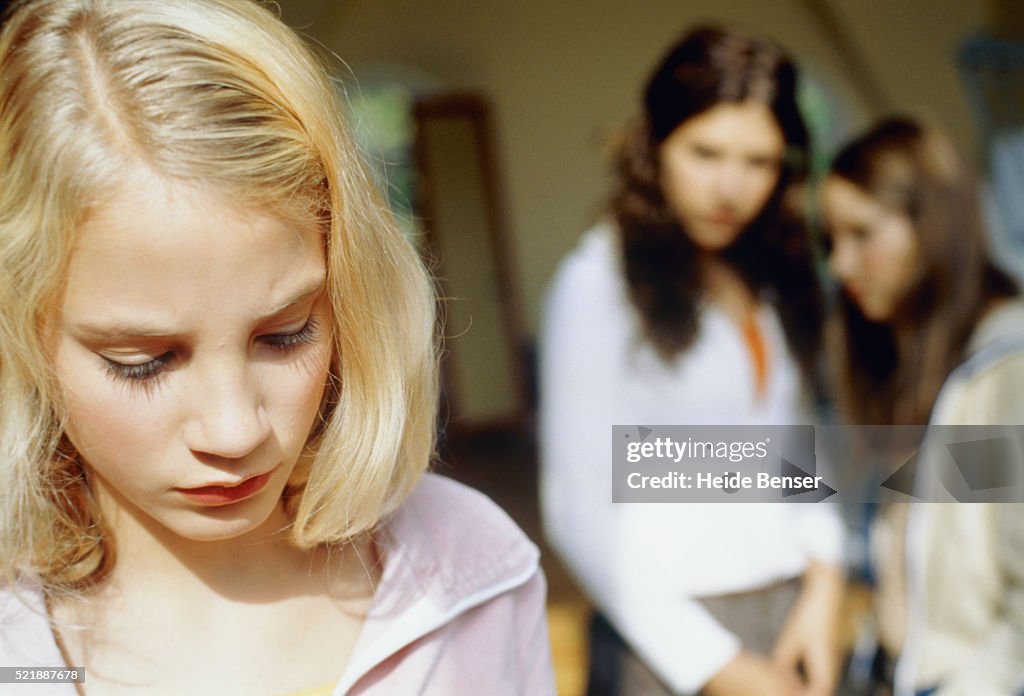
228	418
729	182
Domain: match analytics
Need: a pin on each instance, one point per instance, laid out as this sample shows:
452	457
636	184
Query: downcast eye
138	372
285	341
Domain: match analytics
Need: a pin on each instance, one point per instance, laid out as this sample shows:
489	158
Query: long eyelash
134	374
146	373
307	334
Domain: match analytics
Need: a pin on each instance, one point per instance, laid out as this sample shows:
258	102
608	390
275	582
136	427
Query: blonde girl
219	381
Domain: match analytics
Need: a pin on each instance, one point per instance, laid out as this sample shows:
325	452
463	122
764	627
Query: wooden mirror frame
458	177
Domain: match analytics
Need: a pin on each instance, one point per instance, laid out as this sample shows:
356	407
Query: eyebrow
305	293
122	331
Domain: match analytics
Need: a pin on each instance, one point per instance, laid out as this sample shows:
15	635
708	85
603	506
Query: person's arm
577	362
809	641
750	673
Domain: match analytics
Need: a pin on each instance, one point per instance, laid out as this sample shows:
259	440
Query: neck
724	286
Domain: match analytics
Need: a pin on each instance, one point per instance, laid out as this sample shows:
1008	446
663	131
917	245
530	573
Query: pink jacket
459	608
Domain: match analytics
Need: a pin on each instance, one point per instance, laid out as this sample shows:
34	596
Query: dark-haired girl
695	302
930	331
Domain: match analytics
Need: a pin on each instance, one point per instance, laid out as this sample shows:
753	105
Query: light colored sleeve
584	338
821	532
576	387
996	666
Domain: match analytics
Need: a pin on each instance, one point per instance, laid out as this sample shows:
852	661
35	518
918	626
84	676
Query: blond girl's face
192	347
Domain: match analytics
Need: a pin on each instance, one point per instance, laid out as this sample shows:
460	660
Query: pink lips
730	220
225	495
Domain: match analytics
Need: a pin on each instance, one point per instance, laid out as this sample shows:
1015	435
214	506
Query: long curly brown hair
773	255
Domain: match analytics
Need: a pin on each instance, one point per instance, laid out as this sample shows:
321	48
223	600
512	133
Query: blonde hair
221	93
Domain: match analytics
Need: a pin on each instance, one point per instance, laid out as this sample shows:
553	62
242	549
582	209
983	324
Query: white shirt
643	564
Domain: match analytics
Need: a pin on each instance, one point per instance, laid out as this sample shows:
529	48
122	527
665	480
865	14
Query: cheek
113	432
763	183
895	260
683	185
97	408
294	394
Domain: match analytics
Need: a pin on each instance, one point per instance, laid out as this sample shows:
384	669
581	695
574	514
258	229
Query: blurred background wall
562	75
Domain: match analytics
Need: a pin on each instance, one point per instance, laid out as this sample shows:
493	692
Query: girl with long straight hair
929	331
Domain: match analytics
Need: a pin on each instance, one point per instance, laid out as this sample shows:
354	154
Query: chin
219	530
255	516
715	240
215	533
879	315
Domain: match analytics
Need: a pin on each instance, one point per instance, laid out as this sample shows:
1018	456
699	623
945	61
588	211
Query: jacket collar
447	550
